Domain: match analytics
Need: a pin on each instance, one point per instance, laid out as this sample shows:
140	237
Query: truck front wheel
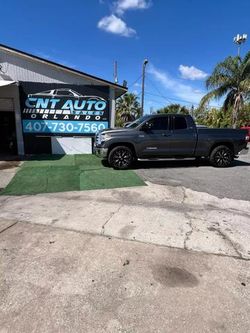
120	157
221	157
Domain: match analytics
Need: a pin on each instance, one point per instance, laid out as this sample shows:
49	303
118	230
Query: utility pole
240	39
192	111
143	85
115	72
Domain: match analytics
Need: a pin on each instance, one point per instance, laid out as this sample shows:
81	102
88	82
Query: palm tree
230	78
127	109
174	108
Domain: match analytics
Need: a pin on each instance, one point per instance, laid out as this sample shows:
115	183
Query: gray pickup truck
156	137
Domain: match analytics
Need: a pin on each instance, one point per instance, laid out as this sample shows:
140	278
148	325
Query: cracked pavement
158	258
56	280
156	214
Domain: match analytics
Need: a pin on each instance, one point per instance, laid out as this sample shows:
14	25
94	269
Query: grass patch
50	160
68	173
109	179
62	179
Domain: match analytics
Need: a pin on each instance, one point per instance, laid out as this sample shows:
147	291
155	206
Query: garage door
6	104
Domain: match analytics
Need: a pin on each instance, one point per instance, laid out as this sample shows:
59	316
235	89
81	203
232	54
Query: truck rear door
183	136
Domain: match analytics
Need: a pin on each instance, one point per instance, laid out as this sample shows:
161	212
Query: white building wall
18	68
71	145
15	67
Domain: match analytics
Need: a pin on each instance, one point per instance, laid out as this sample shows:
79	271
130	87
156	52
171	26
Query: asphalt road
233	182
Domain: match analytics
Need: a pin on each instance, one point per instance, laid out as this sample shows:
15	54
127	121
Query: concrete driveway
233	182
155	258
8	170
54	280
156	214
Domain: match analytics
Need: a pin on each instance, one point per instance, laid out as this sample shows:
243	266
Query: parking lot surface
232	182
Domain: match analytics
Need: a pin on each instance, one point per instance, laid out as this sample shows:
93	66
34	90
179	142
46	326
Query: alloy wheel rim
121	158
222	157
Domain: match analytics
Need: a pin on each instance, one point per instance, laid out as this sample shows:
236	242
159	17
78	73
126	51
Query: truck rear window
180	123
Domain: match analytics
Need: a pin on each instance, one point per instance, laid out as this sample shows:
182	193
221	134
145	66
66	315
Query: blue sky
182	39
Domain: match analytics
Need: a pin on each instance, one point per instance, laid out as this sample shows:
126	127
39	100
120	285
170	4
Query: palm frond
205	99
127	108
229	101
224	73
246	68
214	94
247	57
245	86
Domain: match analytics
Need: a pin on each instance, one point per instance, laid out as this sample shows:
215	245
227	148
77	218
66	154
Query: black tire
120	157
221	157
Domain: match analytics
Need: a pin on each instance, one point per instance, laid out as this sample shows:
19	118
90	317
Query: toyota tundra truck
157	137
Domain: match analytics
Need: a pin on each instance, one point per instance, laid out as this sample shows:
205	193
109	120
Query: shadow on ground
171	164
6	157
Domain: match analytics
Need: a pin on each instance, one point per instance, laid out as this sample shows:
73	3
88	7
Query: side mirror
147	126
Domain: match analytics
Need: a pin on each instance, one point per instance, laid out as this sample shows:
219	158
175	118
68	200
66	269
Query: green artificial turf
50	160
68	173
95	179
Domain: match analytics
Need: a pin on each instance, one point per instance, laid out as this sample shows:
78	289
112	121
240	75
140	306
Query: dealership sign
63	109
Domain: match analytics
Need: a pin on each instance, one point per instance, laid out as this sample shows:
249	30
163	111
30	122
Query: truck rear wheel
120	157
221	157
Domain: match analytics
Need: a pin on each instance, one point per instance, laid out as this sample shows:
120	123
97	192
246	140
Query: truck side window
180	123
159	124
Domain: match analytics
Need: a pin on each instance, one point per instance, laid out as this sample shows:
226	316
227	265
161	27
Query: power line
171	98
138	94
168	99
157	102
181	100
135	81
157	89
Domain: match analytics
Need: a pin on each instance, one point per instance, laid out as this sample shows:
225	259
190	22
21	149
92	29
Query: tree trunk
236	109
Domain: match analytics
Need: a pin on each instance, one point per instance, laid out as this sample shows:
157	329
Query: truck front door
154	140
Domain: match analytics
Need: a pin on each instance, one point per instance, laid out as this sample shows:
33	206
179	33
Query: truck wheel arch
221	143
127	144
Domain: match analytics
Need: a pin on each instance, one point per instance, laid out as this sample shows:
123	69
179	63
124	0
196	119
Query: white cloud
178	89
123	5
192	73
115	25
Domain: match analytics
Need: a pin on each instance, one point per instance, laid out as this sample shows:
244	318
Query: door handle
165	134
